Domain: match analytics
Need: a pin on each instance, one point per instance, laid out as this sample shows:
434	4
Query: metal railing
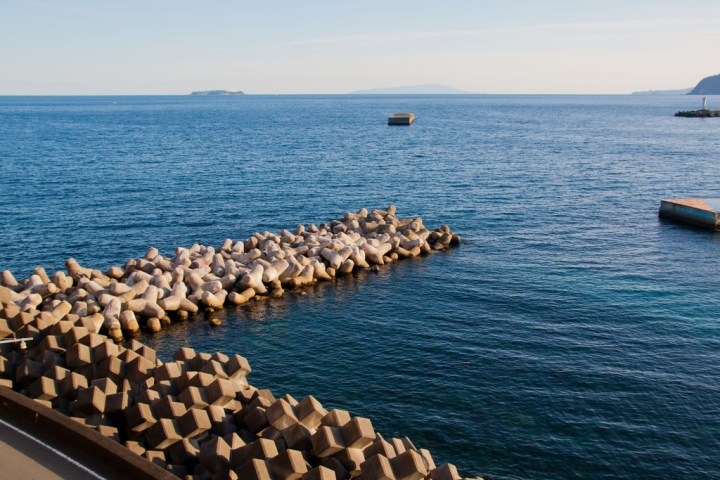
23	345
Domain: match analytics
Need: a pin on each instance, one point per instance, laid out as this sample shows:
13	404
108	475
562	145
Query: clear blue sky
174	47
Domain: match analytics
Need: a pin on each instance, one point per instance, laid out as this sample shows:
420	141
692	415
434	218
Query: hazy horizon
559	47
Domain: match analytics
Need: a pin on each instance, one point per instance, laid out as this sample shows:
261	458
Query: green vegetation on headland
707	86
218	92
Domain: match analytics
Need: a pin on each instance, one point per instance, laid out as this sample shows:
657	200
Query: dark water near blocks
576	336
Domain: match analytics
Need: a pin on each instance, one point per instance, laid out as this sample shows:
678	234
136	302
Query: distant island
707	86
218	92
426	89
682	91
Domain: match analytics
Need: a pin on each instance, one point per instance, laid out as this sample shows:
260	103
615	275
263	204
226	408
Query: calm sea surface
575	336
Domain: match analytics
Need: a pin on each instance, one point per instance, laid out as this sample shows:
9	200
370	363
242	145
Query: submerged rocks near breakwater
196	414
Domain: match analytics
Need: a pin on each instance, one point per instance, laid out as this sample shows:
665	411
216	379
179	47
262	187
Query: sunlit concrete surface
41	457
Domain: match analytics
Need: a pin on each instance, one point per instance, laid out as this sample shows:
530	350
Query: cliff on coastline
707	86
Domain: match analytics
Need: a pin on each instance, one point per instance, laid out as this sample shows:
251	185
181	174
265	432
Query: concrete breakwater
155	290
196	414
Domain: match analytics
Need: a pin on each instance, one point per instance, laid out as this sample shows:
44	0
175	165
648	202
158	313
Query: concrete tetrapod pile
154	290
197	415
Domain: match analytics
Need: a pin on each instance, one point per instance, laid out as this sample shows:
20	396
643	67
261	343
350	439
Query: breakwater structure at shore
196	414
701	212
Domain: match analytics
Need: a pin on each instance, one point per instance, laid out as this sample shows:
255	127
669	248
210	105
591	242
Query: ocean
573	334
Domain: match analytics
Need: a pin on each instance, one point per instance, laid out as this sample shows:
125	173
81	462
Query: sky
290	47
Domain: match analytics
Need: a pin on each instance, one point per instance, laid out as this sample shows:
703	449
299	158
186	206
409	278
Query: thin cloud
371	39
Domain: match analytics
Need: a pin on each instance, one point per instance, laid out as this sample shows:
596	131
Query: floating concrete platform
401	119
702	212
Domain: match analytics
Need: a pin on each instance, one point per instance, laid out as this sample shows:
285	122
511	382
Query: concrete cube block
107	386
358	433
290	399
19	320
220	358
78	356
147	352
168	371
104	350
398	445
56	373
199	361
335	418
184	354
7	383
298	437
74	335
256	402
182	382
215	369
310	412
5	328
54	343
427	458
157	457
281	415
109	432
445	472
150	397
380	447
165	388
167	407
193	397
327	441
136	447
409	466
408	444
261	449
377	467
256	420
128	355
350	458
200	380
92	340
244	395
234	440
69	386
44	388
220	392
194	422
140	417
224	428
112	368
265	394
255	469
90	401
336	467
162	434
215	455
288	465
237	367
319	473
185	451
7	368
139	369
117	402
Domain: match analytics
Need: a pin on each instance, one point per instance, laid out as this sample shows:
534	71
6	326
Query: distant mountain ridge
218	92
682	91
707	86
425	89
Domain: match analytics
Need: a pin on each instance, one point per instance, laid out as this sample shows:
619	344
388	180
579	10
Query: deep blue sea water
575	336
